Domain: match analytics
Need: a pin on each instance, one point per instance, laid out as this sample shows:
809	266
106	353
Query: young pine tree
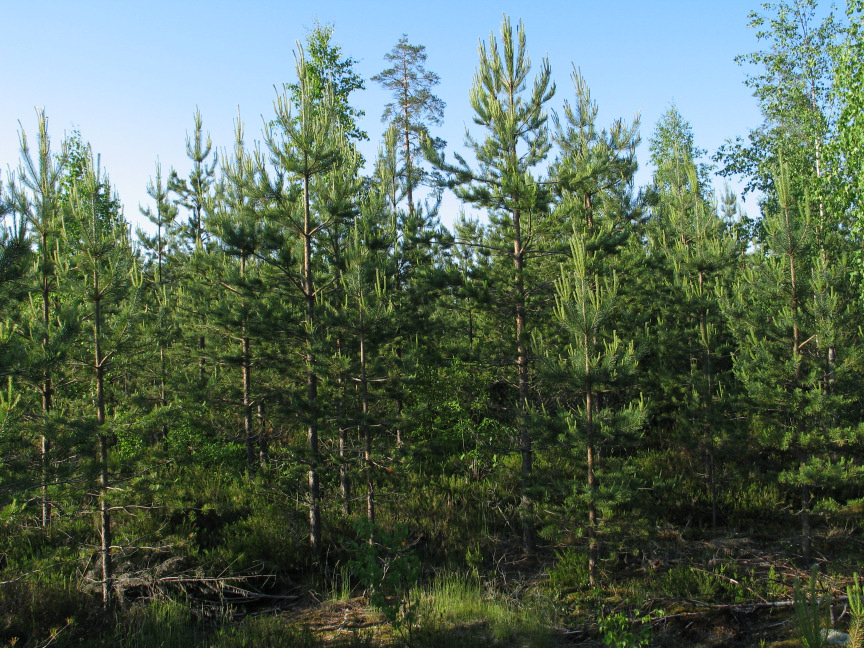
515	142
697	251
304	148
48	329
108	281
592	361
797	354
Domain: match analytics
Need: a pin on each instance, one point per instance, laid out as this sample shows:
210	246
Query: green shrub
809	614
720	583
619	631
388	569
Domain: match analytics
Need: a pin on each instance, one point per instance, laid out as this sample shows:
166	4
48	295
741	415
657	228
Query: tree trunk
592	484
806	543
46	475
263	443
105	527
712	486
47	393
522	365
344	474
311	377
104	508
248	426
202	345
248	414
364	423
707	407
162	401
400	437
409	180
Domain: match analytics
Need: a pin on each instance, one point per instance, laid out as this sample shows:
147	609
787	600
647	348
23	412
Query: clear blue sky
130	74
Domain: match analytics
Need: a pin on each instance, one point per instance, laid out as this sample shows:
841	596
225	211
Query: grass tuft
456	611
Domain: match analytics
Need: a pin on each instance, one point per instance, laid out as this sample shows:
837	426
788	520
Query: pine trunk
311	377
104	508
367	433
47	393
522	365
263	444
248	423
592	484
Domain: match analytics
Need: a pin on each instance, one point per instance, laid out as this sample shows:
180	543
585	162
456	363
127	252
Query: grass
456	611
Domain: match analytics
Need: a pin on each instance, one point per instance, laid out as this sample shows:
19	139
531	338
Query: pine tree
791	316
303	149
238	274
109	282
592	361
413	108
163	219
35	195
196	193
516	141
696	251
164	307
417	251
366	313
594	177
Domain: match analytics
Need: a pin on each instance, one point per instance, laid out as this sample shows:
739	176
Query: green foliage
196	192
330	73
45	605
619	631
570	571
810	617
513	117
855	596
303	317
388	569
457	611
264	632
671	141
793	84
716	583
157	624
846	151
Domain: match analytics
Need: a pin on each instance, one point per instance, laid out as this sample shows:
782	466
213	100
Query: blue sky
130	74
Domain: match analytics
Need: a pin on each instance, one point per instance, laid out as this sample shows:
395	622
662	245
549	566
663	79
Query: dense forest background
594	405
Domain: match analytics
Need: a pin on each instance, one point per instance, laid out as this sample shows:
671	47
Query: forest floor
680	588
735	590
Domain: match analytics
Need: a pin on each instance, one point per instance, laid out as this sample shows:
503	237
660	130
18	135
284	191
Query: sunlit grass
456	611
